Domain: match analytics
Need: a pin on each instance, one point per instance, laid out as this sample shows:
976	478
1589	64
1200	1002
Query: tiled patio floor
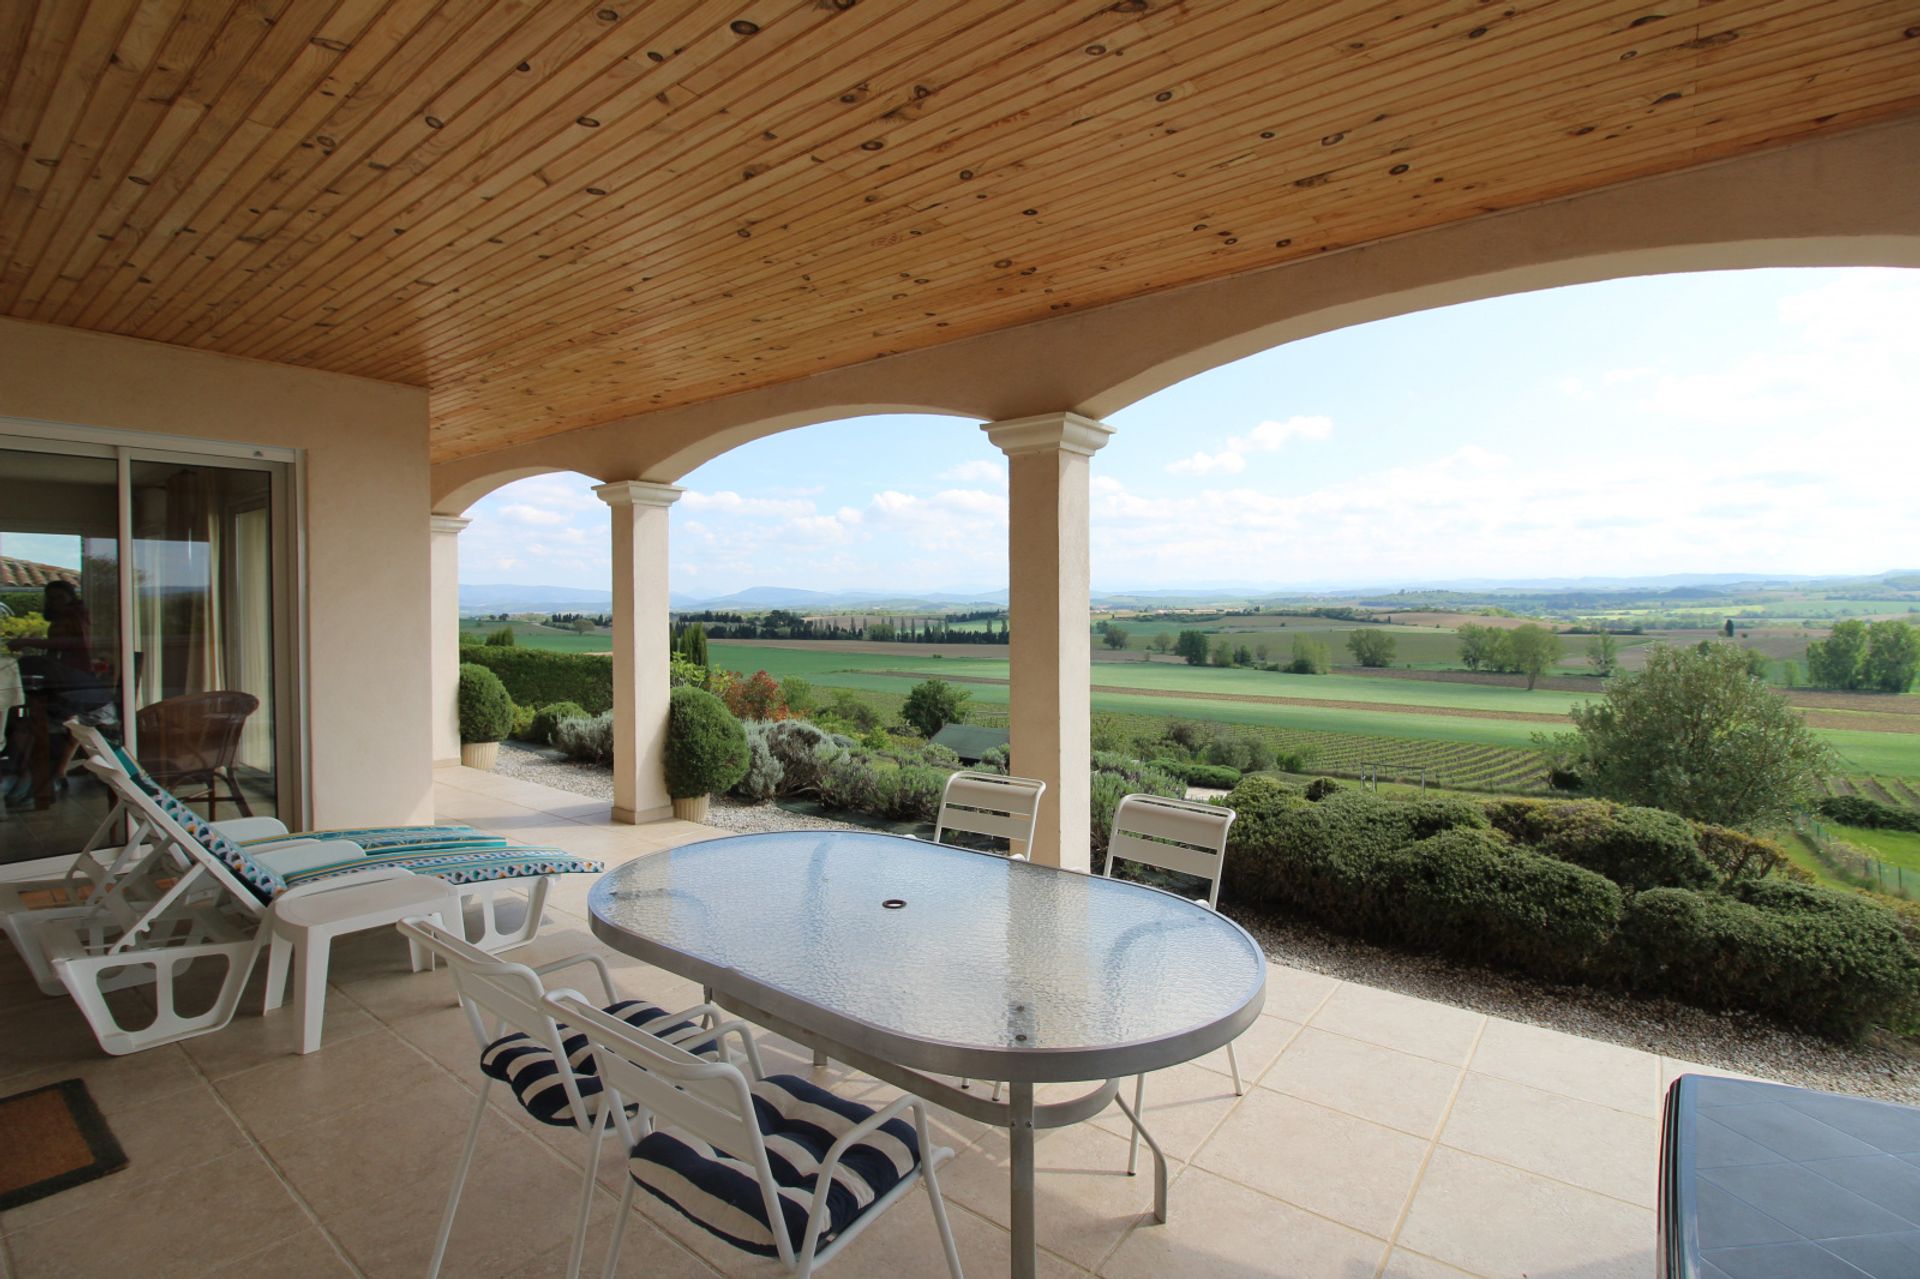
1380	1135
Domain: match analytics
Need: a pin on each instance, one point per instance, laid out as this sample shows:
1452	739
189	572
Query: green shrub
1634	847
1470	893
587	738
798	695
916	793
523	717
1114	778
795	746
762	778
1734	854
932	704
548	718
486	712
847	708
851	779
1321	787
1858	810
1831	962
994	761
502	638
706	746
1213	776
536	677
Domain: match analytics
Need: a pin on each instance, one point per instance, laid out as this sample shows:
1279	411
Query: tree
756	697
1893	656
1220	654
1163	642
1192	645
1243	656
1263	651
1309	657
798	695
502	638
1839	660
933	704
582	625
1113	634
1727	630
1603	653
1479	646
693	644
1371	648
1696	734
1535	649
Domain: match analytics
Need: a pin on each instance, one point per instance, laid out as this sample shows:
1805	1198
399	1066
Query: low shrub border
1519	884
537	677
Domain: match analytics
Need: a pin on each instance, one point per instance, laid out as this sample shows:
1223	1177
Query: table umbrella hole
893	903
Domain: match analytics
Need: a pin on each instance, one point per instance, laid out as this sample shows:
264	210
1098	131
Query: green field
1894	847
1163	689
537	635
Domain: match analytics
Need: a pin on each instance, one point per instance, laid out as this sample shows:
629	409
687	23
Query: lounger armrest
296	855
242	829
574	961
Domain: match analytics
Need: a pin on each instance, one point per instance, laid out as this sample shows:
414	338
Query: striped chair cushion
262	880
800	1122
528	1067
477	859
371	837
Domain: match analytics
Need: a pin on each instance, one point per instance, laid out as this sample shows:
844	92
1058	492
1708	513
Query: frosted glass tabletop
940	959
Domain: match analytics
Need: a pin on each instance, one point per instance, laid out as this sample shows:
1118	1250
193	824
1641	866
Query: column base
641	816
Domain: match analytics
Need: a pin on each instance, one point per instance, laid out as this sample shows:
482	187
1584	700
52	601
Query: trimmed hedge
1447	876
486	712
1833	962
1634	847
537	677
706	746
1858	810
1214	776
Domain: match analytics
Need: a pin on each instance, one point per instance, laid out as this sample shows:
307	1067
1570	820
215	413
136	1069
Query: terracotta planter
692	810
479	755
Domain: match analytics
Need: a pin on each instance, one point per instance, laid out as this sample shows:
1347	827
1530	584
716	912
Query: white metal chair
991	804
779	1167
550	1067
1177	835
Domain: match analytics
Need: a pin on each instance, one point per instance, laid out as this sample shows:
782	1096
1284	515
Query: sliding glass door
166	572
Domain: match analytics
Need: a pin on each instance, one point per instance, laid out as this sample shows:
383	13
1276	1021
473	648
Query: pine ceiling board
224	83
490	252
554	110
366	47
785	196
1113	205
377	130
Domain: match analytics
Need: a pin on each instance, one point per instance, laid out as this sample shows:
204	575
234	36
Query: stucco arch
466	491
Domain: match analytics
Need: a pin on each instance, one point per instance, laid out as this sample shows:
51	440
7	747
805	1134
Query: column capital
449	524
637	493
1066	432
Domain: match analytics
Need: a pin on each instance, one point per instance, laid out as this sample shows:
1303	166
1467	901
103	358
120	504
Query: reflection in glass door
202	629
60	646
140	592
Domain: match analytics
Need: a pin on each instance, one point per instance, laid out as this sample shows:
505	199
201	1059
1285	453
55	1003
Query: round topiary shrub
706	746
486	712
548	718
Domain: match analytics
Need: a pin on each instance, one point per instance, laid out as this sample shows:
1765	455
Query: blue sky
1763	421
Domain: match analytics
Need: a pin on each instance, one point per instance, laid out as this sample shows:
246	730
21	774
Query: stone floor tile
114	1082
1257	1048
1295	993
1589	1145
1609	1074
254	1038
1222	1230
646	1252
184	1225
1402	1264
1183	1107
1498	1220
905	1243
1400	1021
1356	1172
182	1130
293	1092
1392	1088
1084	1199
308	1255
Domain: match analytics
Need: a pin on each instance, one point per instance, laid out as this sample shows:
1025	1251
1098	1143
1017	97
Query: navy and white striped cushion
527	1066
800	1121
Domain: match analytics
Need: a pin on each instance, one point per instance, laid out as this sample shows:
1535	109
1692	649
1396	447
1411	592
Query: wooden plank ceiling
554	212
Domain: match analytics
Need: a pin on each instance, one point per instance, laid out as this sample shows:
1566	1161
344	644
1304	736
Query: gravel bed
1884	1068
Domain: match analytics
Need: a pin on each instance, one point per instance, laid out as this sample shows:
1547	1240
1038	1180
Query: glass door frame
286	472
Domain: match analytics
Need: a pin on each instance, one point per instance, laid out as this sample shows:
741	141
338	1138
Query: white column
1047	574
640	621
444	634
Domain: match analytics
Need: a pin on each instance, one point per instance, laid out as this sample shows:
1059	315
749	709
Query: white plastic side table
305	924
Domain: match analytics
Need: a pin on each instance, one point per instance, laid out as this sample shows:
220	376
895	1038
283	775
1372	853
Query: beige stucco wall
366	540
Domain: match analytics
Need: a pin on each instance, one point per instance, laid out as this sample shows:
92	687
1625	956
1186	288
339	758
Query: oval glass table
908	959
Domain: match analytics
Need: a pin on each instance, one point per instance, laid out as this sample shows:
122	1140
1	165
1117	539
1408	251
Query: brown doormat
51	1139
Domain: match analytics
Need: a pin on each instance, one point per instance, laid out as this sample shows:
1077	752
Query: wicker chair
191	740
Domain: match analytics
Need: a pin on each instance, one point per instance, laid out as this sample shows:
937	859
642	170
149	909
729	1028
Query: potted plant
486	716
706	751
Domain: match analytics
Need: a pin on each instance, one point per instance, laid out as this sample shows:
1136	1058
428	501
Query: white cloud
978	471
526	513
1267	437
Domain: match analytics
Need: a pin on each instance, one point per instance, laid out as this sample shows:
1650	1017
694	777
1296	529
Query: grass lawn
1894	847
536	635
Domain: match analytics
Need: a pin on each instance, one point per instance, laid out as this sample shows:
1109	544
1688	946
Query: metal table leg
1020	1191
